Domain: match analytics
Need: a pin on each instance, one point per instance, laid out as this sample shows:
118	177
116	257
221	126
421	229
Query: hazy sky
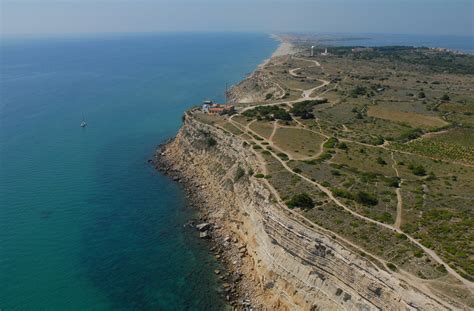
373	16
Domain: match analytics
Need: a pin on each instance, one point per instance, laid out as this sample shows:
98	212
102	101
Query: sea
459	43
86	223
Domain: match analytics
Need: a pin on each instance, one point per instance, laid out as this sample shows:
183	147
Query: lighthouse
312	50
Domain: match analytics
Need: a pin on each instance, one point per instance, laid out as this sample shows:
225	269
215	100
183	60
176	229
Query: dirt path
328	192
398	220
275	127
390	227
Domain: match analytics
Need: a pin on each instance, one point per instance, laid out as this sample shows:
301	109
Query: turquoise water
85	221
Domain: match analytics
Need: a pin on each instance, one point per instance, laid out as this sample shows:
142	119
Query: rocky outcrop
256	88
292	264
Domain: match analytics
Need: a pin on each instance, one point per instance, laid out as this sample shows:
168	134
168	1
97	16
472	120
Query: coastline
271	258
237	287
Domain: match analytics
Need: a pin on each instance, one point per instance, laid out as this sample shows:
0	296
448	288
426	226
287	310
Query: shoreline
238	286
239	289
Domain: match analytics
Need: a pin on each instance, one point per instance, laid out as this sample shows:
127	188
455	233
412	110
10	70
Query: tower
312	50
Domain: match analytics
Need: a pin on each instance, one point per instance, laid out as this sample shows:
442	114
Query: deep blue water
85	221
457	43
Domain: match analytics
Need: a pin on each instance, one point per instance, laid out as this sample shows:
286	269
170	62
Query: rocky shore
238	289
275	259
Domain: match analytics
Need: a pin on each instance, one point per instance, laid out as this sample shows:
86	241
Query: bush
304	109
393	182
391	266
358	90
411	134
302	200
381	161
259	175
297	170
417	170
283	156
342	146
445	97
239	173
268	113
211	142
365	198
331	142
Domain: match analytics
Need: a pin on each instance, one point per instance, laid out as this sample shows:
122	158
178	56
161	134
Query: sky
441	17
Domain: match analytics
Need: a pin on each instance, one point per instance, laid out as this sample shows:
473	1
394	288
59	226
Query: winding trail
395	228
398	221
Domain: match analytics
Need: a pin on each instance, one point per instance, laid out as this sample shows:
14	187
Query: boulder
203	226
204	235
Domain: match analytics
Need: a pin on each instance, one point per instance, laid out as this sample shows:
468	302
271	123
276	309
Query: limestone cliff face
295	265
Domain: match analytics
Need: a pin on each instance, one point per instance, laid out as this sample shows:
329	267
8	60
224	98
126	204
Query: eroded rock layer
295	265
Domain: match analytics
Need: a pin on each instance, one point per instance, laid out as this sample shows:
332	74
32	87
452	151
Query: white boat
83	123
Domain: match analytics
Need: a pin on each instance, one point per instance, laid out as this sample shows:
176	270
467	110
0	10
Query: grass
262	128
455	145
298	143
411	118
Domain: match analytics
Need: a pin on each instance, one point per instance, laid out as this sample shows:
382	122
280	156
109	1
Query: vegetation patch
411	118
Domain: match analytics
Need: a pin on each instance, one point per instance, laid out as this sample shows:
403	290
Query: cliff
290	263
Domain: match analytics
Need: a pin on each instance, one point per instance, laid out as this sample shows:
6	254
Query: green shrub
365	198
331	142
417	170
302	200
381	161
259	175
211	142
239	173
358	90
342	146
393	182
283	156
391	266
304	109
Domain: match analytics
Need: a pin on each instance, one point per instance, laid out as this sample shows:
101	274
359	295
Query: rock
217	271
204	235
203	226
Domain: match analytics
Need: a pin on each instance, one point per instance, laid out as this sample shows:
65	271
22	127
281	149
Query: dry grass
262	128
411	118
298	143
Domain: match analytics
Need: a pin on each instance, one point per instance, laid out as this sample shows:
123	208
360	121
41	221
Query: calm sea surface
85	222
457	43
